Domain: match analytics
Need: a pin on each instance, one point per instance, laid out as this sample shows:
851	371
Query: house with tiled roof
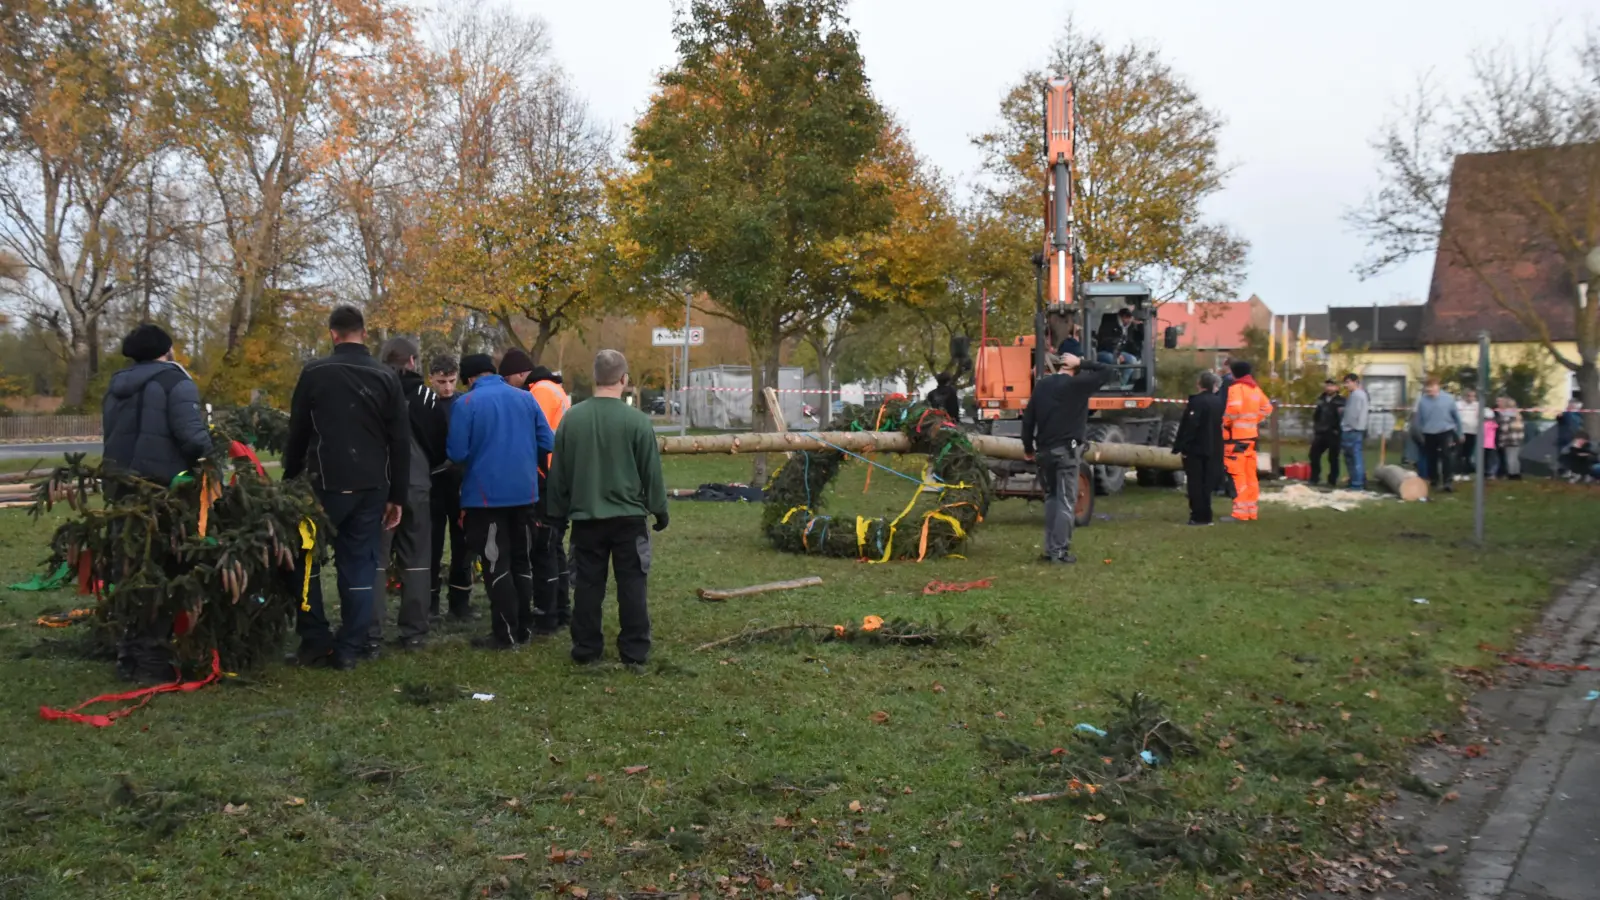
1497	258
1213	330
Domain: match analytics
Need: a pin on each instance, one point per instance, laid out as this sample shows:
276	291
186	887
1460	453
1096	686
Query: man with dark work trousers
497	435
1199	439
1054	421
605	477
349	427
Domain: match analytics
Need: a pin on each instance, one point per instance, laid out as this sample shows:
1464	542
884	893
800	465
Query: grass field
1290	651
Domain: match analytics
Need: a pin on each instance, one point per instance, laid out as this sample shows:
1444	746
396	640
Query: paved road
48	451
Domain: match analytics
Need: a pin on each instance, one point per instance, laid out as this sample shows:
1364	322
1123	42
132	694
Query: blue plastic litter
1086	728
1148	757
1593	695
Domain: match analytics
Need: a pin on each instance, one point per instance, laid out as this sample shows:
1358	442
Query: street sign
673	337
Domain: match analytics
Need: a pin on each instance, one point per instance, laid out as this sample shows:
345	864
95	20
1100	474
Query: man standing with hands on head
350	429
1200	441
498	435
1055	422
606	479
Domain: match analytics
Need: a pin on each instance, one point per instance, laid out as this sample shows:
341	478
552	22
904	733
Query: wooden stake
808	581
778	423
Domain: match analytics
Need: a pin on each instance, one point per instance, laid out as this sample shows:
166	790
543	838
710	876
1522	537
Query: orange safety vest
1248	407
552	399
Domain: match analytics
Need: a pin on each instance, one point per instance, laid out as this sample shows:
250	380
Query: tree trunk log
894	442
1402	482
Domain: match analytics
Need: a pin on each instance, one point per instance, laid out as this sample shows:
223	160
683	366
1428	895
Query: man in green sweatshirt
605	478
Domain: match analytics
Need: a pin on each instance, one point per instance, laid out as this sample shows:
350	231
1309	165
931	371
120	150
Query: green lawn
1292	651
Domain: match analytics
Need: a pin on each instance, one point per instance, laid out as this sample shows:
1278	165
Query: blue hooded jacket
498	435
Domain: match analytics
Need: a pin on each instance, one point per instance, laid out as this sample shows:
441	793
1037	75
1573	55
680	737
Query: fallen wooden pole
1132	455
809	581
1404	483
16	477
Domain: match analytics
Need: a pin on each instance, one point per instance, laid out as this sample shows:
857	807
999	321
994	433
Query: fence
37	428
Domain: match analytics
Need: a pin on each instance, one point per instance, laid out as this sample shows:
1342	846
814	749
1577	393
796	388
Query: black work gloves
661	522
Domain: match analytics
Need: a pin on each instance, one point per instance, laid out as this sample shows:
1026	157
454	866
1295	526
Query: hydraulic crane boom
1059	129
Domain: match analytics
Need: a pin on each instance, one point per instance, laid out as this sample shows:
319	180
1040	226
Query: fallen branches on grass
872	631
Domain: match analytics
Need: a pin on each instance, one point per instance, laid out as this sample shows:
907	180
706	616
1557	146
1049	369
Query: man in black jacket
411	543
1325	421
153	428
1199	440
349	429
444	505
1054	421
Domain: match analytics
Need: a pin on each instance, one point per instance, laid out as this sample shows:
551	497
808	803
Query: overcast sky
1303	88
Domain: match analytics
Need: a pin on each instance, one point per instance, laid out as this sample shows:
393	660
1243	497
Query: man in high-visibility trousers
552	600
1247	408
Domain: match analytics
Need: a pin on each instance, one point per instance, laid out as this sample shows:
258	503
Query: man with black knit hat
350	430
515	367
498	435
153	427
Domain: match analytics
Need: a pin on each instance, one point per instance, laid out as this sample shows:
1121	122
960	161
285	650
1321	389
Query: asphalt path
47	451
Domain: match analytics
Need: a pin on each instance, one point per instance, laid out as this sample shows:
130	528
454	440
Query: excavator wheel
1083	512
1107	479
1169	478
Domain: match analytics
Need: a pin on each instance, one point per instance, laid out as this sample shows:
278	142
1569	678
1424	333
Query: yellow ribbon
790	513
888	544
935	514
308	543
862	525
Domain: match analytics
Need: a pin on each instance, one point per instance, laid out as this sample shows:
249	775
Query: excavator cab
1129	348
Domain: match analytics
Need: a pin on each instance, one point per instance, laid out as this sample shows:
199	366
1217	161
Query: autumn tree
529	256
274	117
1146	162
1537	195
86	91
750	156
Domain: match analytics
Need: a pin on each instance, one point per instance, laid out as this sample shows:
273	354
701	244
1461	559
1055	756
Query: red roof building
1213	326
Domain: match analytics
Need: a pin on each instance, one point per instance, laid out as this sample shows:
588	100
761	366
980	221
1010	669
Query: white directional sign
673	337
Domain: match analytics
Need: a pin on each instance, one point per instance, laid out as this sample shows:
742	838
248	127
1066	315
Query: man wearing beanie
515	366
498	435
153	428
350	431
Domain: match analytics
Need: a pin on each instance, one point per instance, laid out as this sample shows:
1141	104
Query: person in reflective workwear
1248	407
552	597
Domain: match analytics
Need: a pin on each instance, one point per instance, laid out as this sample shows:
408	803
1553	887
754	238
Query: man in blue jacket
498	434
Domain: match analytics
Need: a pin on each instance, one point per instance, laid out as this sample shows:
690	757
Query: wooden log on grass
809	581
894	442
1404	483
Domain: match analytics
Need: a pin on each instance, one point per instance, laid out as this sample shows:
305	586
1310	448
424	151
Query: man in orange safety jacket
1247	408
552	600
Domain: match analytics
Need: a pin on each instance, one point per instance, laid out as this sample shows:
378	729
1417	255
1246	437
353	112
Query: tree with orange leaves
87	89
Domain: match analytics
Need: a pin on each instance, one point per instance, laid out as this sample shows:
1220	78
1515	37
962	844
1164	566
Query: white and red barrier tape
1402	409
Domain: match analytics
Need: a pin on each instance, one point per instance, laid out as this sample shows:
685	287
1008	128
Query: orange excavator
1111	321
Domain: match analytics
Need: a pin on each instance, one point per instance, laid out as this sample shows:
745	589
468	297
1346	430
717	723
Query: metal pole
688	304
1477	481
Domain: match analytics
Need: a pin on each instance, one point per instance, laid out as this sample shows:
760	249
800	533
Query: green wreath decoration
795	521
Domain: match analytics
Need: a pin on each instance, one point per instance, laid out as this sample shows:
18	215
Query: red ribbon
237	450
142	695
955	587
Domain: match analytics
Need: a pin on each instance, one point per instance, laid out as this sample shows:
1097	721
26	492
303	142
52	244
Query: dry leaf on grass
634	770
879	717
295	801
855	806
231	810
511	857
